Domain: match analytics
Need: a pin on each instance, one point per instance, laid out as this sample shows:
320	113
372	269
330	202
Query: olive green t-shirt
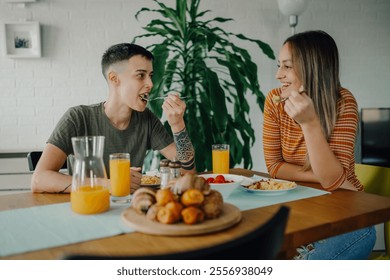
145	132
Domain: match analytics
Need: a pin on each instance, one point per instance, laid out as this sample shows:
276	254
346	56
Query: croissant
148	190
182	184
152	212
143	199
142	202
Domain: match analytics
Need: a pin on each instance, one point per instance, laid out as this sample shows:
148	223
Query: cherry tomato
210	180
220	179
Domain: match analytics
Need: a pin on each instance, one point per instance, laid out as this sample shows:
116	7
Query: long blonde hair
316	61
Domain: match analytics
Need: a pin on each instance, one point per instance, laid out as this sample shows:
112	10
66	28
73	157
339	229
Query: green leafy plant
198	58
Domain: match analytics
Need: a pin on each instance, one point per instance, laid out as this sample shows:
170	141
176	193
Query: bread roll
192	215
192	197
212	205
176	208
166	216
163	196
201	184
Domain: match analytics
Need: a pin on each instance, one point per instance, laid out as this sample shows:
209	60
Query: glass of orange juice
220	158
120	177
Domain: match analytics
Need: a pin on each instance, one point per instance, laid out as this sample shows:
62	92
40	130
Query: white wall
34	93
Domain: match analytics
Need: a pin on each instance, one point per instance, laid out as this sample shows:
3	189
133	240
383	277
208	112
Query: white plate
267	192
151	185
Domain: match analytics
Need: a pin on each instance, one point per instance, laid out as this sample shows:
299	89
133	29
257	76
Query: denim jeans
355	245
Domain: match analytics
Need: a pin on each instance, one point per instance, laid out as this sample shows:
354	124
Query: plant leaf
201	59
263	46
217	102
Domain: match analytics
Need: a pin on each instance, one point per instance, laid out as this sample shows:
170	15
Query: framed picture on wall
22	39
19	1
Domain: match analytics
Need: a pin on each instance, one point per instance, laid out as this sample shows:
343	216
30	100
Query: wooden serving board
230	216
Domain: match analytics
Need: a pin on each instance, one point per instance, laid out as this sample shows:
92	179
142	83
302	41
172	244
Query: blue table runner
42	227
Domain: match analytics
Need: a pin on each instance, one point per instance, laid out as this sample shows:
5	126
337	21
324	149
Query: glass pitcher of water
90	192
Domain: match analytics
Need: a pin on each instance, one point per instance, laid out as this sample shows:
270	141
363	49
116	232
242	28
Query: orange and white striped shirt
283	140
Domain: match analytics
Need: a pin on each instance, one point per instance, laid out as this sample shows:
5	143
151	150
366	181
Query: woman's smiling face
286	72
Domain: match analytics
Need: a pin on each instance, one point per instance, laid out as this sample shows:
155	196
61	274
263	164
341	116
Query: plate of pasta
150	181
269	187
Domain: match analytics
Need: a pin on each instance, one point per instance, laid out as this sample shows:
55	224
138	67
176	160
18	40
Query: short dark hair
121	52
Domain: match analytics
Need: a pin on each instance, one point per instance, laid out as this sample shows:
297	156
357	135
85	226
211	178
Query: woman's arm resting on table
292	172
325	165
46	177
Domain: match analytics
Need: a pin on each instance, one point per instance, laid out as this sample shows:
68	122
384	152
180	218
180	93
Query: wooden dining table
310	219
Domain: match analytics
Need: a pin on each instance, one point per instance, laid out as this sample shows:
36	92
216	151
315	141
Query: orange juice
220	161
90	200
120	176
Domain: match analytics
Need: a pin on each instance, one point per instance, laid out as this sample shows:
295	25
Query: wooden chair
376	180
263	243
33	158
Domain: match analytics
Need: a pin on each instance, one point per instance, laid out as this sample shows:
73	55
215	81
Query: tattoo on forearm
185	150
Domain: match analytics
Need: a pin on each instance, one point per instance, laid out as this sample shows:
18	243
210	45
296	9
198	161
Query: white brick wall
34	93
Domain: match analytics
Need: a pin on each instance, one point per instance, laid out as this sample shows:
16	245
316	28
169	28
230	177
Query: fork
278	99
160	97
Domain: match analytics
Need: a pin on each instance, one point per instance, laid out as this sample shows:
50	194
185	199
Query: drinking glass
220	158
120	177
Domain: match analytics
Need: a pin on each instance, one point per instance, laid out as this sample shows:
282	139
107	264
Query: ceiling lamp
292	8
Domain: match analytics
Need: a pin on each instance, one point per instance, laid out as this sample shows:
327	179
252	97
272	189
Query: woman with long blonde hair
310	126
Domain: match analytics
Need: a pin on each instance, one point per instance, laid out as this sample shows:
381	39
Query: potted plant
197	58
